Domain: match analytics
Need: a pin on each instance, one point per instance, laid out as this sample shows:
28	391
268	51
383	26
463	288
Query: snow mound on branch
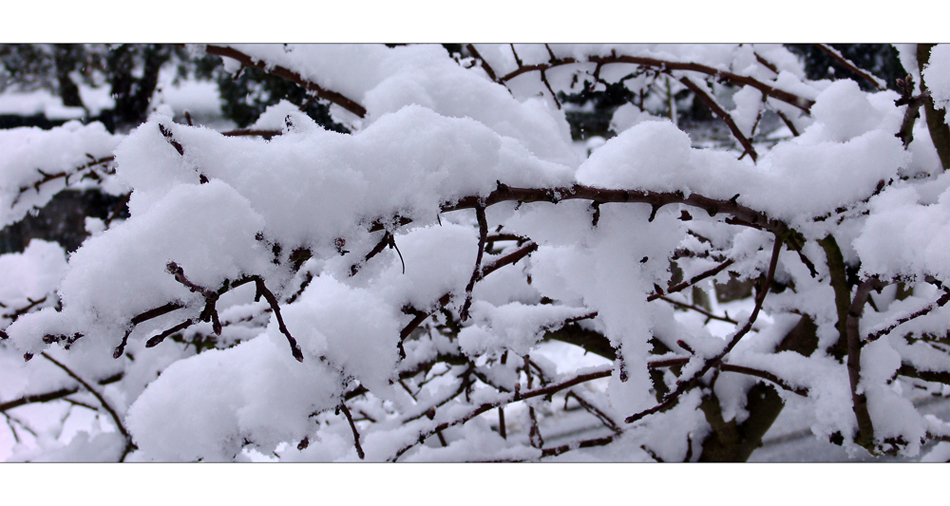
209	406
352	327
408	163
937	75
25	152
832	164
513	326
439	260
32	274
904	238
384	80
208	230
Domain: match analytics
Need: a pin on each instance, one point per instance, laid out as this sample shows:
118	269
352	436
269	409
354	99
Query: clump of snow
937	75
27	153
515	326
206	406
33	274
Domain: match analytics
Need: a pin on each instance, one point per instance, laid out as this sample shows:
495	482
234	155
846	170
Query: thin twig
290	75
129	446
838	57
485	66
516	396
692	281
700	310
724	116
588	443
52	396
356	434
942	301
477	272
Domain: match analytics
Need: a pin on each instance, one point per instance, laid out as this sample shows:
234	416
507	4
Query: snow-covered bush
455	280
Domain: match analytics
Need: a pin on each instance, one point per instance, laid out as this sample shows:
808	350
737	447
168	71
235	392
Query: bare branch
723	115
129	445
838	57
484	64
290	75
477	272
942	301
859	401
52	396
356	435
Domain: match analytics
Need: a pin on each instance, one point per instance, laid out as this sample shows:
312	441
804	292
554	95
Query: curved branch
52	396
290	75
838	57
129	446
723	115
942	301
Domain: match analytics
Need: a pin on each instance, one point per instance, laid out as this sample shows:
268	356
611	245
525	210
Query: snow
29	152
937	75
347	233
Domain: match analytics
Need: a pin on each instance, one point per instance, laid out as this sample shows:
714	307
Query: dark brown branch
588	443
764	375
788	123
859	401
129	445
723	115
516	396
544	79
290	75
17	313
46	177
52	396
839	282
262	290
356	435
909	370
508	259
143	317
700	310
246	132
767	64
600	415
534	433
477	272
167	134
838	57
692	281
670	399
484	64
740	214
665	66
723	366
906	133
387	240
156	340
